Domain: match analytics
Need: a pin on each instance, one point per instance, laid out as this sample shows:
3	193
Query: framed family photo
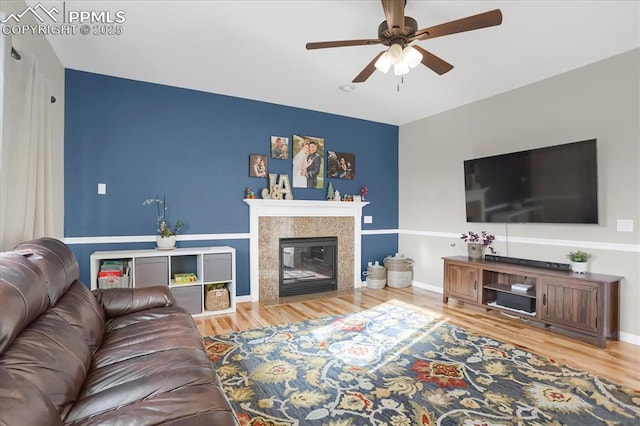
341	165
308	162
279	147
258	165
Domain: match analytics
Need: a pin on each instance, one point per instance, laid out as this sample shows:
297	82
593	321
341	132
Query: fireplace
308	265
270	220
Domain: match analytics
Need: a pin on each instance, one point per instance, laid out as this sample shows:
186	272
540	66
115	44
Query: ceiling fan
399	31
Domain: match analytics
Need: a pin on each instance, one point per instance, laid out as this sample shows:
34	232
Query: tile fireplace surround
271	220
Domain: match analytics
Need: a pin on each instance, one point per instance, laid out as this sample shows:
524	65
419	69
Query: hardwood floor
619	362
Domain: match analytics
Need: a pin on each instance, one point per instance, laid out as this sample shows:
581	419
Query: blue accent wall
143	139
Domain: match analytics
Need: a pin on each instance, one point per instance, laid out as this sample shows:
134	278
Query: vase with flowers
166	237
478	243
363	192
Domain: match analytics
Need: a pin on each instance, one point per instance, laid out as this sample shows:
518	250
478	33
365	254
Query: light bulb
394	53
400	69
411	57
383	64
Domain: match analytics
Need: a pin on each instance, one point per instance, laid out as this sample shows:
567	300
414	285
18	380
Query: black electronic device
529	262
515	301
554	184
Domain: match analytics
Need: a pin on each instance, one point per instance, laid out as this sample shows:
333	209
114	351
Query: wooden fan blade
475	22
341	43
430	60
394	13
368	70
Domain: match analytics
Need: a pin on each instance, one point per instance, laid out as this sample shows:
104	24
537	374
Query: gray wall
600	101
51	67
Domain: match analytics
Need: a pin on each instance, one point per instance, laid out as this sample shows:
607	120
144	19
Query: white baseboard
634	339
434	288
241	299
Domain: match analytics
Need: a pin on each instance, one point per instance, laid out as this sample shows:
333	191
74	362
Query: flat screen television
554	184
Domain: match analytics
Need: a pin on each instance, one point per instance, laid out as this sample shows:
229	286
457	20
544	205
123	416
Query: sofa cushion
147	362
23	295
56	261
147	332
28	405
120	301
51	355
203	404
80	309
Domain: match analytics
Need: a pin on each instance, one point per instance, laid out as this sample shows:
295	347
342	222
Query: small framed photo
341	165
258	165
279	147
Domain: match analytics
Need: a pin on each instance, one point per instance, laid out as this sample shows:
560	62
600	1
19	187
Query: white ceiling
256	50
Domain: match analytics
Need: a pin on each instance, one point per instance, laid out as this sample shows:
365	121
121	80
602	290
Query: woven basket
399	271
376	277
217	299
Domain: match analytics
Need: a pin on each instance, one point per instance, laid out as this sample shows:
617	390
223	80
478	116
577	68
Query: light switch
368	219
625	225
102	188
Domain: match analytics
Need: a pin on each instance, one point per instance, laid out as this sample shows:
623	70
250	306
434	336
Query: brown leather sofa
118	356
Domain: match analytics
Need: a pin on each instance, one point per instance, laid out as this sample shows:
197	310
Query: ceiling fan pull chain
399	82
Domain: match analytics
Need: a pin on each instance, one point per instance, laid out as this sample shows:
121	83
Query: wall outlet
102	188
625	225
368	219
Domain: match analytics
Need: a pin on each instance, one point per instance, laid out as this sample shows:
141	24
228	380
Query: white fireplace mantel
305	208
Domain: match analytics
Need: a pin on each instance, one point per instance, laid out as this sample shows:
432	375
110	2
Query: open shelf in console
497	291
506	288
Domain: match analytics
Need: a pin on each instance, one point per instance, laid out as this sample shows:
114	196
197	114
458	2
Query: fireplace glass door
308	265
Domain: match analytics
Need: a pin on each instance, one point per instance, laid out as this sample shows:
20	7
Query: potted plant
478	243
166	238
578	261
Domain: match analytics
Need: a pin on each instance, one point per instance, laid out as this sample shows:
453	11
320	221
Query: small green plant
164	228
578	256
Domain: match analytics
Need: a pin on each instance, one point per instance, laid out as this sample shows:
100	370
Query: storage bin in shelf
114	274
114	282
216	297
188	298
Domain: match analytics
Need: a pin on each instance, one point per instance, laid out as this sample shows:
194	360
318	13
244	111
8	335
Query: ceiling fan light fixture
383	64
394	54
398	30
400	69
411	57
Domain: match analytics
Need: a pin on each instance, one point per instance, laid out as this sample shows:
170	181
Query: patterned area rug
392	365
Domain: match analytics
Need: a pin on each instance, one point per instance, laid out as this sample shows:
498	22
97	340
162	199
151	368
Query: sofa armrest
120	301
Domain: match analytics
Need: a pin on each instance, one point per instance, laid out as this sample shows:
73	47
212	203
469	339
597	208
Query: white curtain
26	209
